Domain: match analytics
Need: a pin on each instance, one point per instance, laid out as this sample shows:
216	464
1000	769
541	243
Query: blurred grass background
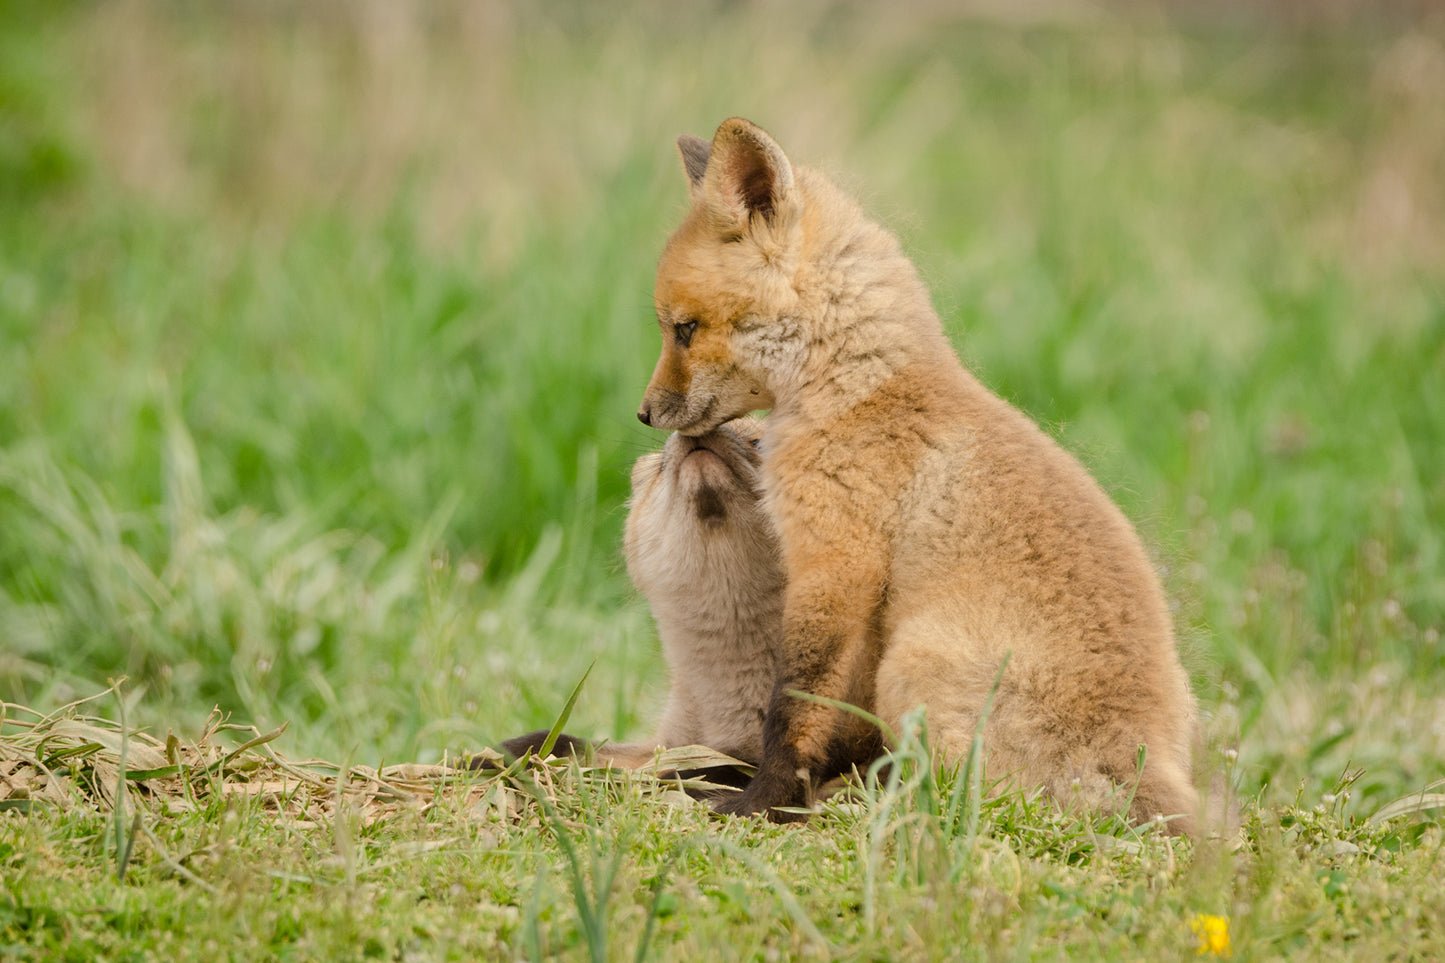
322	329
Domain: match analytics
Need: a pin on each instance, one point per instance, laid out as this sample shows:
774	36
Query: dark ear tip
695	152
693	148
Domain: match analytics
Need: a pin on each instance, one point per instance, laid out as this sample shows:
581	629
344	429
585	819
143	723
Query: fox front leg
829	644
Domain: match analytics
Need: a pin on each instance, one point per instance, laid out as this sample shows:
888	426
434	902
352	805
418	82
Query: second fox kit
703	554
700	548
929	531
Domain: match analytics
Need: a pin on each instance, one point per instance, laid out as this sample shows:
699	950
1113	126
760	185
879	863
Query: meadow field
322	332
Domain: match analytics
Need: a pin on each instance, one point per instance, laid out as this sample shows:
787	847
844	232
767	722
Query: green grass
241	852
321	334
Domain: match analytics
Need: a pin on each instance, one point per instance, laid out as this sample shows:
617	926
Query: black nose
645	417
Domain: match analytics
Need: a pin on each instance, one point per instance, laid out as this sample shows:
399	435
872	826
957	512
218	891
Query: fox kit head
697	536
725	281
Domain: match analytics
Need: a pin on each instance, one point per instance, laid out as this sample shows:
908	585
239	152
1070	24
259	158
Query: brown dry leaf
141	751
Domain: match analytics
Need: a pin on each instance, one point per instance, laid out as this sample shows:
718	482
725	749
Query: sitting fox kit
701	551
930	534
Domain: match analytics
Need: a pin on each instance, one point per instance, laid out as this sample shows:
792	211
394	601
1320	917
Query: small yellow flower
1213	933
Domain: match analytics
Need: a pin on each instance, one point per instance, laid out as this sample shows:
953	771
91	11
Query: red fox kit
930	533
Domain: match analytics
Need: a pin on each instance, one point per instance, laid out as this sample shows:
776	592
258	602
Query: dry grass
67	759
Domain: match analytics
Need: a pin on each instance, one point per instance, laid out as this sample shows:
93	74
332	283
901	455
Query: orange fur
928	529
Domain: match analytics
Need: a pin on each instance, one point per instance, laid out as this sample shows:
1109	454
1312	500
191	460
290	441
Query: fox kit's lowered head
747	285
696	527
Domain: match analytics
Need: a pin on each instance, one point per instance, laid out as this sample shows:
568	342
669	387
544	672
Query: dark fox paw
757	801
532	742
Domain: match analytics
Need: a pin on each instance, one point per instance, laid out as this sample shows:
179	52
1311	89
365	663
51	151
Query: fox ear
694	151
747	173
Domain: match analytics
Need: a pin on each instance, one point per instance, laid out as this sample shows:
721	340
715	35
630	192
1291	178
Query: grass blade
889	736
122	844
1414	803
561	722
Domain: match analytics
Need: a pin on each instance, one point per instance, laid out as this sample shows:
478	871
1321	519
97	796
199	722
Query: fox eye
684	332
